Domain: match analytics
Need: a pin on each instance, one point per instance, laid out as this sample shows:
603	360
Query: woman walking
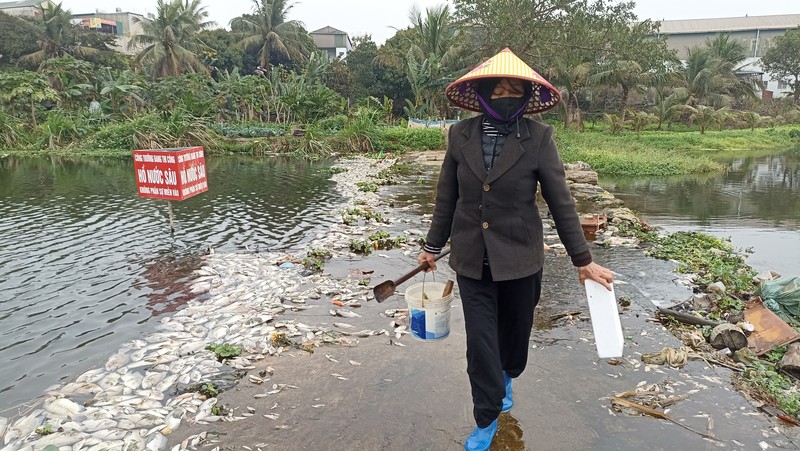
486	207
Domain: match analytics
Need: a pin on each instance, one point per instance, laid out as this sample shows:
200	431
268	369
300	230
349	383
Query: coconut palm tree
709	75
571	77
434	55
626	74
434	33
269	30
705	116
170	40
55	37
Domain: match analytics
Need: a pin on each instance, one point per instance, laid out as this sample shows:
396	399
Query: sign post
170	174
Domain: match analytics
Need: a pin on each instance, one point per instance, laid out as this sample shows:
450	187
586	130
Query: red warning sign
171	174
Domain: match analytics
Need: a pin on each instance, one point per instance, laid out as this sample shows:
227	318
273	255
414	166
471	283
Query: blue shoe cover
508	401
481	438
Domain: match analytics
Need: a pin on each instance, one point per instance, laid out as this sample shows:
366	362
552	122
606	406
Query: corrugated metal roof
328	30
689	26
20	4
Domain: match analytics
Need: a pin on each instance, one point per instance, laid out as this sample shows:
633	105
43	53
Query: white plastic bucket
429	317
605	320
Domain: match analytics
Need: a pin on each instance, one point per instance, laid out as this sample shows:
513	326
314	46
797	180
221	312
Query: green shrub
147	131
331	125
403	139
248	130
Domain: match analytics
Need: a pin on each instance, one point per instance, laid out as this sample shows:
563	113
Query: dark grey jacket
495	214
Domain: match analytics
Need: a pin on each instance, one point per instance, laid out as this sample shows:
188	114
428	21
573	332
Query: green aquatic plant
367	187
361	246
47	429
773	386
209	390
224	351
711	258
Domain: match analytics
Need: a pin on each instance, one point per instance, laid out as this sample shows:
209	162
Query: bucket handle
433	274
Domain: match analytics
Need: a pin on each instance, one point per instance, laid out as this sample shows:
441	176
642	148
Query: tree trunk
568	116
625	93
33	113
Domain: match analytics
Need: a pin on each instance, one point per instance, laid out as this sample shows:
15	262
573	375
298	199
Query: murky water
756	203
86	265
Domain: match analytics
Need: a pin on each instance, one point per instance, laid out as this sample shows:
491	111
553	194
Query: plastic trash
782	296
605	320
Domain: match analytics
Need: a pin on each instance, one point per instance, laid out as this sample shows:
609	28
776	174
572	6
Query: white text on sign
156	176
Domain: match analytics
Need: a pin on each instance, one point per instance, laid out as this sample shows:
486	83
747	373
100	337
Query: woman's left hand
598	273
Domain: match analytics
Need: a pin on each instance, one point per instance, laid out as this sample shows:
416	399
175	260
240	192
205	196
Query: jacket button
486	187
485	225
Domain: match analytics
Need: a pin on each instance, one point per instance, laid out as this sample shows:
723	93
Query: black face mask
507	107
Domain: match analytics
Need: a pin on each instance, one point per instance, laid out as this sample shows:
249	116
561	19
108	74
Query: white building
754	32
28	8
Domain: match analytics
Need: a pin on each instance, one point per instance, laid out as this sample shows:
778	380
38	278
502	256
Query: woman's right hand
427	257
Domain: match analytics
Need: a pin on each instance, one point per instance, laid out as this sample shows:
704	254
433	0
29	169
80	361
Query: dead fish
347	313
219	332
22	428
63	407
166	383
138	355
185	378
191	348
110	435
79	388
91	376
116	361
151	379
173	420
331	358
156	442
204	410
132	380
66	438
206	271
96	425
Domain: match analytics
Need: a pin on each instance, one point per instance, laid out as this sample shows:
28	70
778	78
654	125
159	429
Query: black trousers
498	318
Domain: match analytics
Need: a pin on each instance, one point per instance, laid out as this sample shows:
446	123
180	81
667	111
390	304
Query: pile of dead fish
135	401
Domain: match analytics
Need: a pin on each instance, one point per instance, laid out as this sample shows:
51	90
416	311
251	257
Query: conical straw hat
463	92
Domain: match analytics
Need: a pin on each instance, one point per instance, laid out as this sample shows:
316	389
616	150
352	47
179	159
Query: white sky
377	17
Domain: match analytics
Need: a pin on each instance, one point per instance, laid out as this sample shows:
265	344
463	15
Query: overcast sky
377	17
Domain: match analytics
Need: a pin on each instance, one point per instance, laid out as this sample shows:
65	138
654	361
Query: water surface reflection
756	203
85	263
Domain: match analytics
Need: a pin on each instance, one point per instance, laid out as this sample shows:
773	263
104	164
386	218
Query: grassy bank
667	153
654	153
118	139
